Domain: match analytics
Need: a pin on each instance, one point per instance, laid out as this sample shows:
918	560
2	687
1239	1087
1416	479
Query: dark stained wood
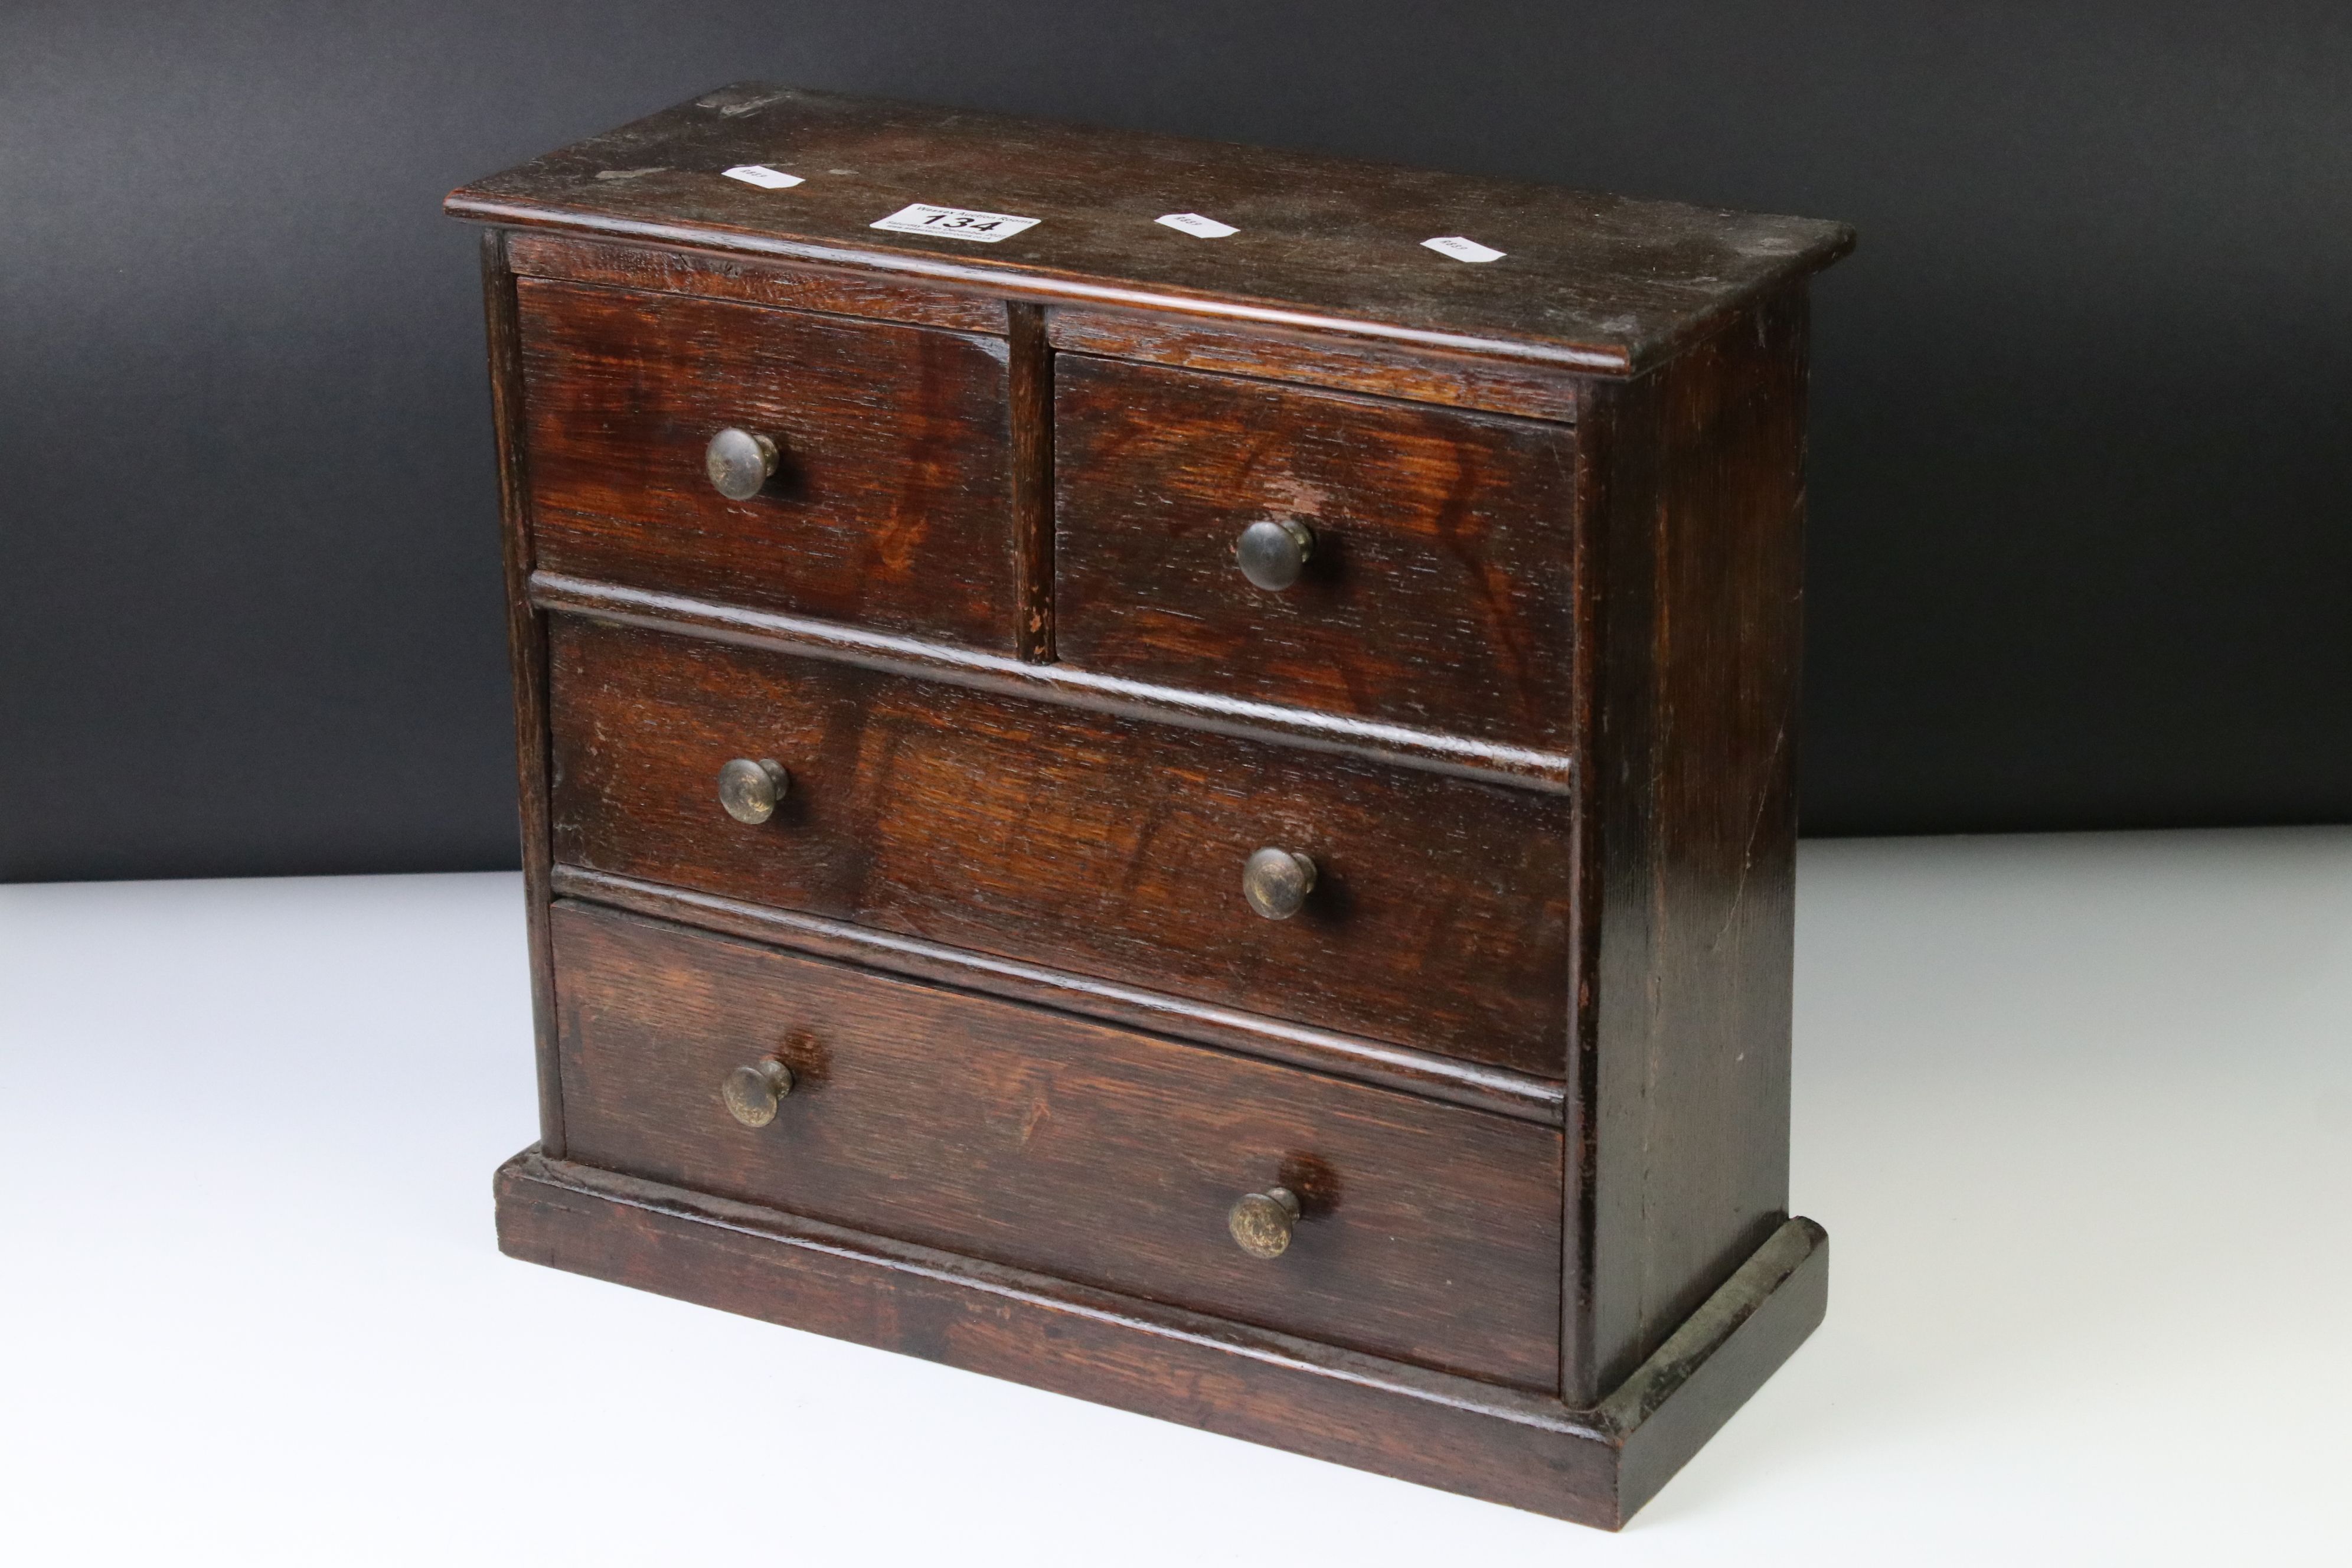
1495	1089
1397	745
1346	365
1101	845
527	658
1032	391
1594	1468
1699	496
890	506
1598	282
751	281
1722	1352
1437	594
1529	709
1063	1146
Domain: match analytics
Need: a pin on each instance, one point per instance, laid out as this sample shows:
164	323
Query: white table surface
2074	1109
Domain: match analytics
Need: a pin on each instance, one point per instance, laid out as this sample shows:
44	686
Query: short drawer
1435	589
890	503
1094	843
1427	1233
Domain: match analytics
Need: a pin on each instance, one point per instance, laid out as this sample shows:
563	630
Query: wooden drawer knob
751	790
1276	882
753	1092
1261	1222
1272	554
739	462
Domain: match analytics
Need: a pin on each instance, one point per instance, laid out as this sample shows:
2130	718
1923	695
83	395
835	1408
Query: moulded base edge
1593	1466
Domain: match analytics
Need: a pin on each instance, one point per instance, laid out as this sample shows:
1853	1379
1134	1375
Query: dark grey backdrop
2080	551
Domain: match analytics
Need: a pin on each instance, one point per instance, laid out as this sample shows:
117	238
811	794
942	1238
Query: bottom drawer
1428	1233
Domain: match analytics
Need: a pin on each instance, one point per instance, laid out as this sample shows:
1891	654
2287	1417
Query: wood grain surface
1031	394
527	664
1106	846
1599	282
891	506
1346	365
1698	477
1438	594
1431	1233
751	280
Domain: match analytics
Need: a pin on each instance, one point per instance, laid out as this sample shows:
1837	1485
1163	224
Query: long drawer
1105	847
1426	1233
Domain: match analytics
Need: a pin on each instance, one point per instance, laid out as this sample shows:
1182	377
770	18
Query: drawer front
1436	591
1429	1233
890	506
1101	845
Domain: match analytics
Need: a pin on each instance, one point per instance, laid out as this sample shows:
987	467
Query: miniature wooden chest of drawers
1164	769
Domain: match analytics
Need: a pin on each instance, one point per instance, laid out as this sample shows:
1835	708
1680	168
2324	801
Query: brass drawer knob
1273	552
751	790
1276	882
1261	1222
739	462
752	1092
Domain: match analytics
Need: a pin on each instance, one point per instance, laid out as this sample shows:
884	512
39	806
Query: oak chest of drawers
1164	769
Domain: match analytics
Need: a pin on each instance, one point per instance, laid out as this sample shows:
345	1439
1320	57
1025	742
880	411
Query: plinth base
1594	1466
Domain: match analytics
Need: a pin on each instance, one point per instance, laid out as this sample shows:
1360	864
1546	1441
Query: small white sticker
957	223
1462	249
1193	223
762	176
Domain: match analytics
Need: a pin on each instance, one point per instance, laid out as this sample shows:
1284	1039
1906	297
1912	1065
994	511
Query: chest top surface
1599	283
